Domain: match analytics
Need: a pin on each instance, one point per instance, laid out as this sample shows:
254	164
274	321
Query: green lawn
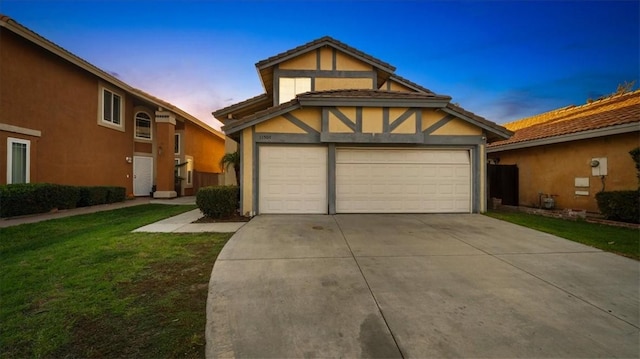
85	286
622	241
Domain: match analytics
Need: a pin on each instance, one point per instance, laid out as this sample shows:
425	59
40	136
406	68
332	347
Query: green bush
31	198
116	194
65	197
218	201
21	199
91	196
621	206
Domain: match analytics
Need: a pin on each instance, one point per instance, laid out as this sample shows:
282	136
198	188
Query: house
574	152
337	131
65	121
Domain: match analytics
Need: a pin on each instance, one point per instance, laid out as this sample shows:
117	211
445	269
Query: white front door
402	181
142	175
293	179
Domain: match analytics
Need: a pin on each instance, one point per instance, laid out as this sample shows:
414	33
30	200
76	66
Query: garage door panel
292	179
402	181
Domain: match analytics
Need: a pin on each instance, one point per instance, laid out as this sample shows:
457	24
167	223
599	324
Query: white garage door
402	181
292	179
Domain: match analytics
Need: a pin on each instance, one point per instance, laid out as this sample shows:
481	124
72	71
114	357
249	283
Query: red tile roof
607	112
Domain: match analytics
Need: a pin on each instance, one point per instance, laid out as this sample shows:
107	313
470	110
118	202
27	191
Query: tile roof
504	133
495	131
611	111
409	83
370	94
326	40
259	101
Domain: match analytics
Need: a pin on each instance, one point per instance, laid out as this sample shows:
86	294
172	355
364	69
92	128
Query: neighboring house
63	120
574	152
338	132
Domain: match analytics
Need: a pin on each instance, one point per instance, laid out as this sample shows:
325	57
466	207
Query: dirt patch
165	316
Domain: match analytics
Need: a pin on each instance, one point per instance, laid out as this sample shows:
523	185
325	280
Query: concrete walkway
417	286
182	223
178	224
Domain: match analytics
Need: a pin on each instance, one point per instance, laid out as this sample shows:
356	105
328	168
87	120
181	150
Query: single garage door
292	179
402	181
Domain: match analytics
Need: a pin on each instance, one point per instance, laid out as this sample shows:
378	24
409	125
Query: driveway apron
294	286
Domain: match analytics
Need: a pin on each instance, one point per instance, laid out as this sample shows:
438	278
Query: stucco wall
552	169
42	92
207	150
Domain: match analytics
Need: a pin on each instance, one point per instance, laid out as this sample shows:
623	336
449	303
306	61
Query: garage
373	180
292	179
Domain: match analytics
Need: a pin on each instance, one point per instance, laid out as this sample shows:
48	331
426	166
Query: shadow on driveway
417	286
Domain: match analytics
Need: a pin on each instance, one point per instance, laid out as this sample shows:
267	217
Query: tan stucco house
65	121
337	131
574	152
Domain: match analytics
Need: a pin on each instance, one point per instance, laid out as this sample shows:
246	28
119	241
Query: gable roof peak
324	41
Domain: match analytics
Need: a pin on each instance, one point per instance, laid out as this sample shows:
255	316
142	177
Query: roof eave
261	65
582	135
232	128
221	114
501	132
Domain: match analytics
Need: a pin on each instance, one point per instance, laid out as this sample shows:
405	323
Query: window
291	86
18	160
189	169
111	107
176	144
143	126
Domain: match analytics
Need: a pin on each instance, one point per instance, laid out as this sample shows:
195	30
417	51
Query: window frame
10	142
296	83
177	138
135	126
189	169
102	120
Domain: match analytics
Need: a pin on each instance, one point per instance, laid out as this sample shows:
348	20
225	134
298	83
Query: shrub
218	201
29	198
24	198
116	194
621	206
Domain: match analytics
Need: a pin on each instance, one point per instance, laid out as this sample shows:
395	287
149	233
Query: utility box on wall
599	166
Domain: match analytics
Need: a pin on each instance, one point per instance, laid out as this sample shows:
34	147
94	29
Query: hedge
621	206
218	201
31	198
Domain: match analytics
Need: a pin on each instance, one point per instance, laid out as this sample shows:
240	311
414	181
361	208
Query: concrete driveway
417	286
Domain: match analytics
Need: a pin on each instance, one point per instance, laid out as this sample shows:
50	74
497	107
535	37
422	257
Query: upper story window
18	160
291	86
143	126
176	144
112	108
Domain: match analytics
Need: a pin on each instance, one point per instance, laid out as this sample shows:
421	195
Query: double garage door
368	180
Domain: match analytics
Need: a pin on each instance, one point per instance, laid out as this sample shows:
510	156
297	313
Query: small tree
230	159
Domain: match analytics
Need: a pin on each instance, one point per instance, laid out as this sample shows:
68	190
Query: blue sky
502	60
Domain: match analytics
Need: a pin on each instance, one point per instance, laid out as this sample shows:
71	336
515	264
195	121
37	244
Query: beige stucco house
337	131
574	152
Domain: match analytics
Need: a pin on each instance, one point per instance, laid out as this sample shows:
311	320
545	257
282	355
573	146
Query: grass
86	287
619	240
